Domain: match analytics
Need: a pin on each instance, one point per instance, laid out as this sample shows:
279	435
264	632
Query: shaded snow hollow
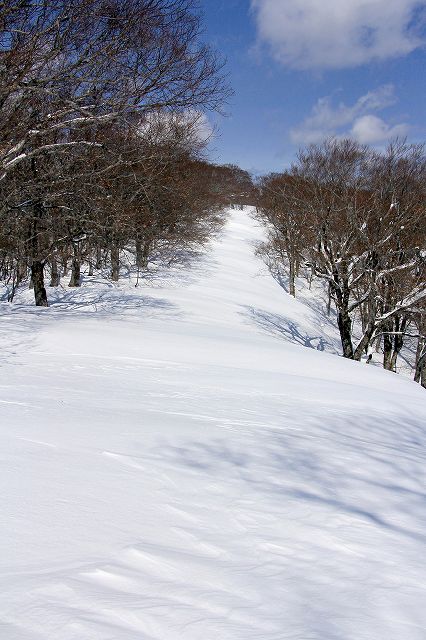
176	464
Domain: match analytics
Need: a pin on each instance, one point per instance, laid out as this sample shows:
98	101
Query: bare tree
278	204
73	73
68	66
358	220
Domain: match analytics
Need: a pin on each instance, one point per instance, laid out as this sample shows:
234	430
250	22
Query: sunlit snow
191	460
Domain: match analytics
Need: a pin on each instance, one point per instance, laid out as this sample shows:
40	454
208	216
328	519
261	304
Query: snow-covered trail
173	467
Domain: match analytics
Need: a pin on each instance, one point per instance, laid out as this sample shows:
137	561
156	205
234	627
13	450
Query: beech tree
73	73
278	205
397	235
358	220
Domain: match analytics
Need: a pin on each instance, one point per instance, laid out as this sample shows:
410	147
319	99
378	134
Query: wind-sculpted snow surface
177	465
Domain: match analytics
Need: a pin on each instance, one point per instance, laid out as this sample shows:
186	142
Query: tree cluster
101	105
356	219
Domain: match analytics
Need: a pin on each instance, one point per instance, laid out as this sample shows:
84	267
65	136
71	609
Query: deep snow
178	464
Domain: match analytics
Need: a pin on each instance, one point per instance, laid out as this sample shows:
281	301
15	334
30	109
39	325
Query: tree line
355	219
101	137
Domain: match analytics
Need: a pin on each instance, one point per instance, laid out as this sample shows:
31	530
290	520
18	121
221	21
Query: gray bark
37	277
75	279
292	278
54	273
115	264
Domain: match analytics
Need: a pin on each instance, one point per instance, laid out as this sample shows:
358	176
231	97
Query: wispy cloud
336	34
357	121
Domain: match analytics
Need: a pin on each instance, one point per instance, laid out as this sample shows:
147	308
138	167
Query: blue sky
303	70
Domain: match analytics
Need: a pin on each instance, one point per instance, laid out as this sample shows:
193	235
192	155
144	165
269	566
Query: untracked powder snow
191	459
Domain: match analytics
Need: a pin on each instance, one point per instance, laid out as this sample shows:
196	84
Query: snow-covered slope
176	464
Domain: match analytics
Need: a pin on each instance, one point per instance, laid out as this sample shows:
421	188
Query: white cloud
335	34
356	121
191	127
373	130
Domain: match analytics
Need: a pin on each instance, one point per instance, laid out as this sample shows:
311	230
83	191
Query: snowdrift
188	460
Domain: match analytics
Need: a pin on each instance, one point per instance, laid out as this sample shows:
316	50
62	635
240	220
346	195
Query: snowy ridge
175	464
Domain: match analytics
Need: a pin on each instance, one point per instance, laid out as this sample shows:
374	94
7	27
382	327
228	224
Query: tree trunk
423	374
328	300
420	374
21	271
37	277
377	344
292	278
387	351
371	327
398	341
365	341
340	292
363	312
146	252
143	250
37	265
115	264
98	264
420	371
54	273
345	329
297	264
75	279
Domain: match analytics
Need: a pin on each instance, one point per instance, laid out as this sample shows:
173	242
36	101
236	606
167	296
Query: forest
101	145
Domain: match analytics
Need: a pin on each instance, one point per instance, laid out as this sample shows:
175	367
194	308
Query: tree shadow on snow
20	322
110	301
367	470
96	296
278	325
